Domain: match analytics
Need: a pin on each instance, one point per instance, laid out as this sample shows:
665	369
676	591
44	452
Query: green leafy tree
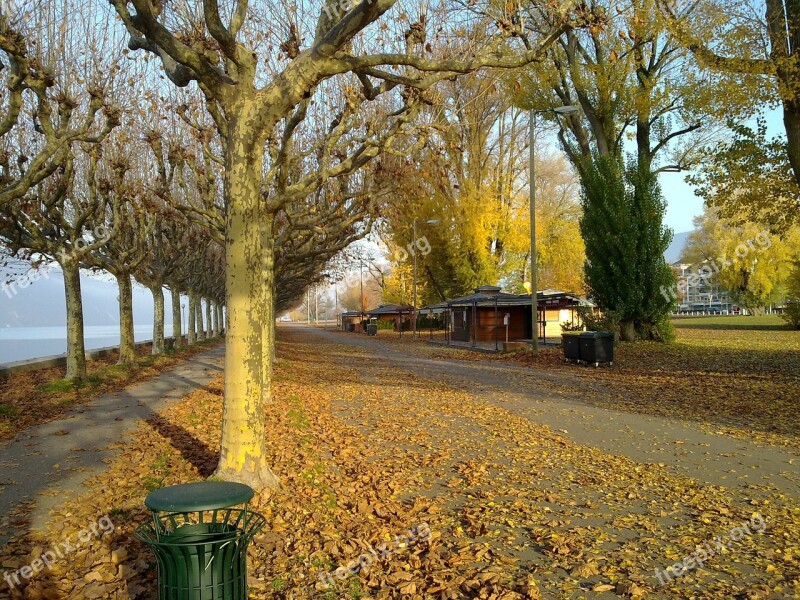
749	179
632	82
791	313
750	263
622	226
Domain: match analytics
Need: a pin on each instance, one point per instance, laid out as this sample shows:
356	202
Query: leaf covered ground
368	452
34	397
737	375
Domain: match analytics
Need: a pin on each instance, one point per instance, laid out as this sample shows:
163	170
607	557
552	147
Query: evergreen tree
622	226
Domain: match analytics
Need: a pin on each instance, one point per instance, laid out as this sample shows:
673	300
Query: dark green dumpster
572	347
597	347
200	539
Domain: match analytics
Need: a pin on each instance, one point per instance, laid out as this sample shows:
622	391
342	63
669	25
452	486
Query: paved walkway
717	459
48	463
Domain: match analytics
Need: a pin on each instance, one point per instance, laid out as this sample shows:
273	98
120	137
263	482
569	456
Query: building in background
700	294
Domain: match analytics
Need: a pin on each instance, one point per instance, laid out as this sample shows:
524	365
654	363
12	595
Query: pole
495	324
414	285
534	283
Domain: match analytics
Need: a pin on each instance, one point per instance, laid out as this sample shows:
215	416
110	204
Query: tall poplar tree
622	226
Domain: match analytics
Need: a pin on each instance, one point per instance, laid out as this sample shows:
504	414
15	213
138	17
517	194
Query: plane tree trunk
249	278
158	319
192	320
76	349
127	345
177	324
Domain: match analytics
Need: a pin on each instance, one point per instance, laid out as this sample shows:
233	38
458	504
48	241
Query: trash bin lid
202	495
597	334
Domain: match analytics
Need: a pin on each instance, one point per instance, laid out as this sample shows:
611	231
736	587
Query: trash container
200	539
351	327
597	347
571	345
372	330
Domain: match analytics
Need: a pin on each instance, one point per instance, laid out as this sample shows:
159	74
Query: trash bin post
200	539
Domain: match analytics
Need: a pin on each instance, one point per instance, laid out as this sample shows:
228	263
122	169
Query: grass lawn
731	322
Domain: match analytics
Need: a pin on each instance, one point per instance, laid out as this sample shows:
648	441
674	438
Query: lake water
21	343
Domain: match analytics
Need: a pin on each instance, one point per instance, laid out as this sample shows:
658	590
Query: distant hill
673	253
42	303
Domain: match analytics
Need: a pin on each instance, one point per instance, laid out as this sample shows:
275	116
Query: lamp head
565	110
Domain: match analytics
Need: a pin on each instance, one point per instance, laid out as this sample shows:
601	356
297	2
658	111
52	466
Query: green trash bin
200	539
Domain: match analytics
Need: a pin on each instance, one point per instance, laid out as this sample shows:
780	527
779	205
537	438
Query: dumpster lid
201	495
597	334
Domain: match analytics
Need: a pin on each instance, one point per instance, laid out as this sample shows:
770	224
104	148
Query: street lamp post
361	280
560	110
414	280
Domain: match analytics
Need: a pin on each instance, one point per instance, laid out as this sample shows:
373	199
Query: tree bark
791	121
158	319
273	338
249	279
192	321
268	322
127	347
198	313
209	329
76	349
627	331
220	319
177	324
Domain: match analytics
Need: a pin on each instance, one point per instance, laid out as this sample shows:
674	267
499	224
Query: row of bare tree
83	181
102	171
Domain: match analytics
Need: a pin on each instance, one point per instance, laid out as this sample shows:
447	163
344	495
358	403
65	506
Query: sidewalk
47	463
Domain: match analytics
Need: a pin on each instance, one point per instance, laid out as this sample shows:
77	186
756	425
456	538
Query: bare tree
250	107
37	86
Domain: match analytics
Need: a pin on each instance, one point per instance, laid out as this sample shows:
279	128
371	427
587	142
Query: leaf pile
35	397
740	381
364	454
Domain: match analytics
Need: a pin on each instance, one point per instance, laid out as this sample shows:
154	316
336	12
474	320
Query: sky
682	204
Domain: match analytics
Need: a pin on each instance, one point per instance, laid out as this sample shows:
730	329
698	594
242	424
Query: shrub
791	313
661	331
605	321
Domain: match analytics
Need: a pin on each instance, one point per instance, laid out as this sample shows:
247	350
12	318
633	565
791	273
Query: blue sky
682	204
